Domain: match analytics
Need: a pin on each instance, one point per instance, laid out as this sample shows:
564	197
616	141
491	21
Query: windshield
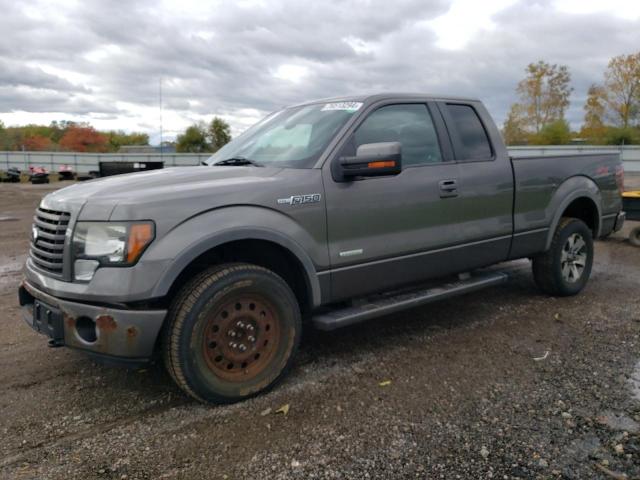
293	137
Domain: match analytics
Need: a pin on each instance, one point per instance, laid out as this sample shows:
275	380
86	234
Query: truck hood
163	181
97	199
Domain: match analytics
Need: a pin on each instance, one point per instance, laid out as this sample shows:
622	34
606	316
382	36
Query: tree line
202	137
66	136
612	107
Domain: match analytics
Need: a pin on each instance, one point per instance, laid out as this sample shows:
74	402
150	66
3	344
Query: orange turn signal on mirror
382	164
140	235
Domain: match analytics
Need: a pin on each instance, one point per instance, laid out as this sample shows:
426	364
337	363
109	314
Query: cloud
41	101
16	74
103	61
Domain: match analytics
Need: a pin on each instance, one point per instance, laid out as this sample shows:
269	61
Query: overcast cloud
102	61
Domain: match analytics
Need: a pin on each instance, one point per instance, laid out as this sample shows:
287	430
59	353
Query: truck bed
544	184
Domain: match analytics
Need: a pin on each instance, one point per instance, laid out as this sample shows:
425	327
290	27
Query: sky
104	62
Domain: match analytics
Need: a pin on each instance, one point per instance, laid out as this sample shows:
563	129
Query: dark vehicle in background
65	172
38	175
327	214
12	175
118	168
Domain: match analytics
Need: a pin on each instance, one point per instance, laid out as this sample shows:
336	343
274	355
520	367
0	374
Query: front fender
570	190
203	232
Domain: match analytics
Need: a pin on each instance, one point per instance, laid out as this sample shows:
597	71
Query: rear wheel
564	269
634	237
232	333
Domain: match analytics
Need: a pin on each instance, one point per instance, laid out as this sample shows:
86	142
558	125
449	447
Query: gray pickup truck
326	213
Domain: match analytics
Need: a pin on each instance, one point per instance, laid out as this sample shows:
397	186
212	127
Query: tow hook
55	343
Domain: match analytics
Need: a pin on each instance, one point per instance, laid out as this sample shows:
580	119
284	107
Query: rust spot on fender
132	338
106	324
69	320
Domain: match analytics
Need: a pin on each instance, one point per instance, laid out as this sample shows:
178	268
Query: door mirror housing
373	160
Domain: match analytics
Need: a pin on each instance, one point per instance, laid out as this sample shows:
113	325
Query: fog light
86	329
84	269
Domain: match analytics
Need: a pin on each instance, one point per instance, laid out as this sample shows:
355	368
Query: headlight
109	244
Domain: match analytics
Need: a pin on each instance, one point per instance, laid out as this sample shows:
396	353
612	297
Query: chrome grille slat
46	254
53	217
48	247
51	236
50	226
53	267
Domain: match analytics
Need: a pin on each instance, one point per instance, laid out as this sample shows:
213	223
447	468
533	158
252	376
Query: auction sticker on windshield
348	106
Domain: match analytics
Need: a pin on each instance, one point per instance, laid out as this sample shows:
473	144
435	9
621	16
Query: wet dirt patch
619	422
10	272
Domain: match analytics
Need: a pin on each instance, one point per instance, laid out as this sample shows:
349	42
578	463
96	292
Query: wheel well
584	209
264	253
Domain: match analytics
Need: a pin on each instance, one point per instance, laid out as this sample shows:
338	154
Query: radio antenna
160	99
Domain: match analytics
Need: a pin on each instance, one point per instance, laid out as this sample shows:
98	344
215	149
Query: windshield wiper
238	161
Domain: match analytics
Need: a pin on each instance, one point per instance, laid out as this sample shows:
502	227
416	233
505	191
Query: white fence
85	162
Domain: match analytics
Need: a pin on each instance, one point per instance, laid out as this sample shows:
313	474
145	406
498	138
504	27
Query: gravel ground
504	383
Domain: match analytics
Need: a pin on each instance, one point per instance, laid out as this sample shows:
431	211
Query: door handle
448	188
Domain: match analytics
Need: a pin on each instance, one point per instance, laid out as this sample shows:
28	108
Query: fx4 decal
300	199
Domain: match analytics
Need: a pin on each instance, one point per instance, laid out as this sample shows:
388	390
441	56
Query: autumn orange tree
36	143
622	89
83	139
514	129
80	137
544	97
612	109
594	128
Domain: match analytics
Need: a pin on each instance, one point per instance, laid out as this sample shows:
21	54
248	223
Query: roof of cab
371	98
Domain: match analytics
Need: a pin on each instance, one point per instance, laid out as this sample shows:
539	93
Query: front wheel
564	269
232	333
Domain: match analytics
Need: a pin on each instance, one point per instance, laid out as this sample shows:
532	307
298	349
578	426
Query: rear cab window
470	138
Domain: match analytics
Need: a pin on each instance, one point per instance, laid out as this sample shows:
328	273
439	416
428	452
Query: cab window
473	141
409	124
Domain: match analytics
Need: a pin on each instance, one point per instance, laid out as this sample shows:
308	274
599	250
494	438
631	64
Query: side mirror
372	160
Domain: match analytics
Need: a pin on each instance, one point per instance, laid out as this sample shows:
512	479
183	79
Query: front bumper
104	331
108	285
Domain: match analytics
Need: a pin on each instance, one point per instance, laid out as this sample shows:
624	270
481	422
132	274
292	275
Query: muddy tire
564	269
634	237
232	333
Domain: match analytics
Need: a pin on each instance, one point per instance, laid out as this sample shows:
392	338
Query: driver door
393	230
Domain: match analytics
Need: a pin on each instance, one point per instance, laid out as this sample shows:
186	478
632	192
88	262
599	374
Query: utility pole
160	84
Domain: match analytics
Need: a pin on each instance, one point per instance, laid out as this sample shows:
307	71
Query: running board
382	304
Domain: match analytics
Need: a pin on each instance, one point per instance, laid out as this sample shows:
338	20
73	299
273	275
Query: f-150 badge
300	199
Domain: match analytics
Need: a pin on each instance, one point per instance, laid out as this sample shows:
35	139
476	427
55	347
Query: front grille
47	240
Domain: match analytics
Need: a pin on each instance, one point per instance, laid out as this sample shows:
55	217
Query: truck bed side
545	186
